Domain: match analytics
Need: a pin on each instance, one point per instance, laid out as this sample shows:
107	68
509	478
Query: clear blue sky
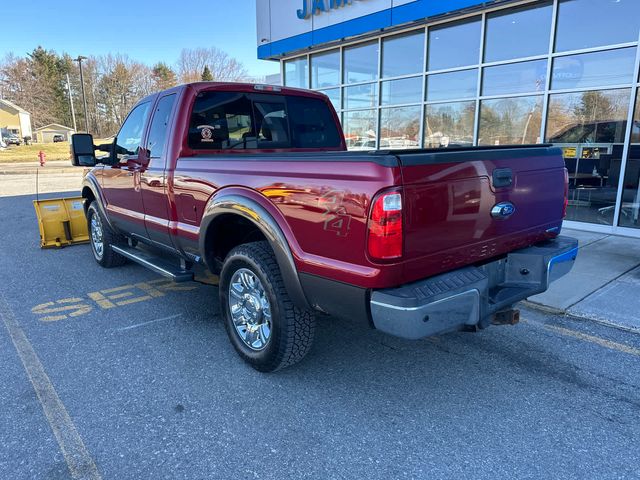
145	30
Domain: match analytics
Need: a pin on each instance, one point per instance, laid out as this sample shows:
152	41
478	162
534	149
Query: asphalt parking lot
119	374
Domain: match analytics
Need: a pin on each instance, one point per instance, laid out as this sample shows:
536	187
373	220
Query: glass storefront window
454	85
611	67
454	45
449	124
325	69
595	23
361	63
334	96
360	129
406	90
515	78
400	127
588	117
505	32
630	208
361	96
590	126
403	54
296	73
510	121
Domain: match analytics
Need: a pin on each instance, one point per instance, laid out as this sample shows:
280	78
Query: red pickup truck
254	183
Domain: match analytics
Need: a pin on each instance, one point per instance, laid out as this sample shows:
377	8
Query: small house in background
14	120
53	132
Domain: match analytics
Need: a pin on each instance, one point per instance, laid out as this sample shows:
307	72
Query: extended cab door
121	182
154	176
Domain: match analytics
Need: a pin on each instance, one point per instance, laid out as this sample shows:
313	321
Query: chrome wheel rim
250	309
97	241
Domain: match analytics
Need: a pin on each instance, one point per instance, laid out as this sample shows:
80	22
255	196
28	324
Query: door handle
502	177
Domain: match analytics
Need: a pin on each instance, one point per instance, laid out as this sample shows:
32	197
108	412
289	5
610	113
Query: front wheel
102	238
264	326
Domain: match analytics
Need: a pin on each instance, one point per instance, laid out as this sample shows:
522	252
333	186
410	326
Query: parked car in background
12	140
58	138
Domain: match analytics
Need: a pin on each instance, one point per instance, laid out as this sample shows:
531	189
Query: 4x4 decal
336	218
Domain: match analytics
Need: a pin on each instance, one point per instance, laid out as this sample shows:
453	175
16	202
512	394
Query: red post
42	157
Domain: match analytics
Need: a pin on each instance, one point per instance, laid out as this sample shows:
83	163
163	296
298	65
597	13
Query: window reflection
296	73
334	96
400	127
360	129
611	67
515	78
325	69
449	124
590	126
361	96
454	45
361	63
452	86
630	208
408	90
505	32
594	23
403	55
513	121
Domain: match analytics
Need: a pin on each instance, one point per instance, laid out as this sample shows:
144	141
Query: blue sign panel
399	13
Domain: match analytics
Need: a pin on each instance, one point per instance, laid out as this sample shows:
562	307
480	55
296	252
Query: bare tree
223	68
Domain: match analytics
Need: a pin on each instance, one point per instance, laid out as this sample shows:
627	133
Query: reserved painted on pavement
107	299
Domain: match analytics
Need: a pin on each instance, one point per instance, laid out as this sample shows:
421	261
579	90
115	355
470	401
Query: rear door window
159	124
237	121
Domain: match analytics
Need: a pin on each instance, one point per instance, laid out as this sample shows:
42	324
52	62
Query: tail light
566	193
385	227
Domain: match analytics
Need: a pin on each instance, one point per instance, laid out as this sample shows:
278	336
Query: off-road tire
292	328
109	258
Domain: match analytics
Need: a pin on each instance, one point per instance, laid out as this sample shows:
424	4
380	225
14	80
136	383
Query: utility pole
84	98
73	110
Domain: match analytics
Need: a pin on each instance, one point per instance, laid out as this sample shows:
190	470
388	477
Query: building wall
281	30
9	120
526	73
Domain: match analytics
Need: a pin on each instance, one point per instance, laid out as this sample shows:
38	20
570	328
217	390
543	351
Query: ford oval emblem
503	210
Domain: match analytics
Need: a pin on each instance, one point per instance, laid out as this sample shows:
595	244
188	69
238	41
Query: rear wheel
264	326
101	238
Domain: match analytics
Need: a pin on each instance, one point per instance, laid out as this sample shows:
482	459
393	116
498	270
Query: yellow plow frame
62	222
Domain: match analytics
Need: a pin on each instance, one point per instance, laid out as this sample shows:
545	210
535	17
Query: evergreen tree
163	76
206	74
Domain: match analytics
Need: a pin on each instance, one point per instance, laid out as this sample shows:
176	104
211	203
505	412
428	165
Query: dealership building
445	73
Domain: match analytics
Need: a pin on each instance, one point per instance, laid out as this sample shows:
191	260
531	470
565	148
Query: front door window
130	135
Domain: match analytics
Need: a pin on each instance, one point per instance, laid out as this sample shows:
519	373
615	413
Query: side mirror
82	150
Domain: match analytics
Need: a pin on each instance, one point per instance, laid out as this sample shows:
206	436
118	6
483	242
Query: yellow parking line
620	347
79	461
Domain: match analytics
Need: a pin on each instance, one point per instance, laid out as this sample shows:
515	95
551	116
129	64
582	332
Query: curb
558	311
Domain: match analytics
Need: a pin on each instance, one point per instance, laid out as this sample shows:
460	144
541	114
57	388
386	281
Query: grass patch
29	153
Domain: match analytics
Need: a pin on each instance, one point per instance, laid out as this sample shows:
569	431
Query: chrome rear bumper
472	295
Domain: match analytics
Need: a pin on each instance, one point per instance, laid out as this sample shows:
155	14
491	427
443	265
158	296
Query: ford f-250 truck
254	183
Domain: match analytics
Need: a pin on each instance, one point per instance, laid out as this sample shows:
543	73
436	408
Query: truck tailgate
449	196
